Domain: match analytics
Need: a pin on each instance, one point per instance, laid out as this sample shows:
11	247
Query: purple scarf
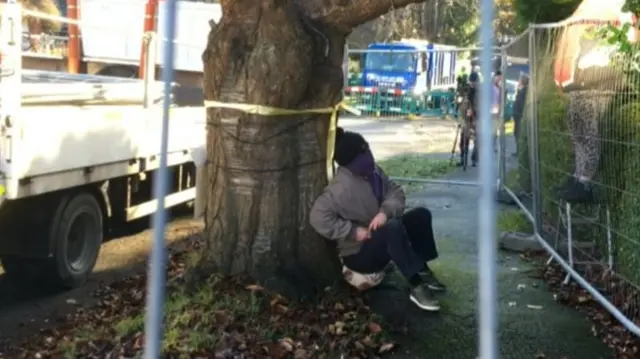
365	166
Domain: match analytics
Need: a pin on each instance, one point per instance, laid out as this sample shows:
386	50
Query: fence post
156	281
345	68
502	157
534	148
149	75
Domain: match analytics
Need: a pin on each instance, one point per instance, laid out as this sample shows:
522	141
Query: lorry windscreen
398	62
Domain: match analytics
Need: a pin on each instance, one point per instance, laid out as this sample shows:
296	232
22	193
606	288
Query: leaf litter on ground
219	318
605	326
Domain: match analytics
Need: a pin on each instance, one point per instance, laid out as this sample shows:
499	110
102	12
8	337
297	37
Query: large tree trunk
265	171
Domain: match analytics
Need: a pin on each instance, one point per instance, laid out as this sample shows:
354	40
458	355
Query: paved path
531	323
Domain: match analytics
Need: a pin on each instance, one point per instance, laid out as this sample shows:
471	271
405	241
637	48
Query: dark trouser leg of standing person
391	243
464	141
516	127
418	224
583	114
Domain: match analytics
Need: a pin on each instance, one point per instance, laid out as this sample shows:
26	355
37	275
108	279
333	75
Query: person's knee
393	226
420	214
391	230
416	218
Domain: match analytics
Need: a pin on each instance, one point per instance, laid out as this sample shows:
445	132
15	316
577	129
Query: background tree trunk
265	172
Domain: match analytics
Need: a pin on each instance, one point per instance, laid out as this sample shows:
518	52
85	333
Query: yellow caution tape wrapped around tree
274	111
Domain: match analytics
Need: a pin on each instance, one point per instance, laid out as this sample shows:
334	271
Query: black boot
575	191
568	184
431	281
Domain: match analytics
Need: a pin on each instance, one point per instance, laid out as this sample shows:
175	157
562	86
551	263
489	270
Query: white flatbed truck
76	160
77	157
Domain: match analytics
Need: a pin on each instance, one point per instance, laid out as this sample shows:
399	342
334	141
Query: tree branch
347	14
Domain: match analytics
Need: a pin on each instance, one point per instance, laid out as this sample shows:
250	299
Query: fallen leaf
300	354
254	288
386	347
374	327
368	342
583	298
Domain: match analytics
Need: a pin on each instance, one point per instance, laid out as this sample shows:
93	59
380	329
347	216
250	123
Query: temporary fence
607	142
487	184
399	82
577	175
416	83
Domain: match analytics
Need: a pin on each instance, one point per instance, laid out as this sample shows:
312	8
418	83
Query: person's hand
378	221
362	234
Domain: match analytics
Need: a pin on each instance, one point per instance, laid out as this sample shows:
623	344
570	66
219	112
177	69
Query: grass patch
416	166
513	221
512	178
218	318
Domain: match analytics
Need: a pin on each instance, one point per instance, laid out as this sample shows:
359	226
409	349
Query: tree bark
265	171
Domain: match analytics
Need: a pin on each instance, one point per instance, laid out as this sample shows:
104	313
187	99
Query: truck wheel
76	234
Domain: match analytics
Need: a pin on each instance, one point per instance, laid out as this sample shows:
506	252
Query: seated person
363	210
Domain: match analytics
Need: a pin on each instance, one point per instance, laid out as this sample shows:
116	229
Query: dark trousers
516	128
465	140
407	241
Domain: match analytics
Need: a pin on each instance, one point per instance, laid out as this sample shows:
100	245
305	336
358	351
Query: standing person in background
518	106
462	83
470	102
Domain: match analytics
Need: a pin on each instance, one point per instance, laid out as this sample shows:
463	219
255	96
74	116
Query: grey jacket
348	202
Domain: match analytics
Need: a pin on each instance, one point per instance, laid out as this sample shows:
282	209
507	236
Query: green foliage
621	174
543	11
632	6
513	221
627	56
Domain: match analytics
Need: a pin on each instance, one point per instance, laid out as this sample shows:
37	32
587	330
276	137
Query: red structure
150	25
73	49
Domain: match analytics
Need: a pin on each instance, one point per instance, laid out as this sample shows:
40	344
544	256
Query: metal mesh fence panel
587	114
517	116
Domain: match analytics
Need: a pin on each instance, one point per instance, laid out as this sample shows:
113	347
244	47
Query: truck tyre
76	235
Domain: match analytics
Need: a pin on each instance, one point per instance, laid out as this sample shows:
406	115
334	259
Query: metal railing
542	125
576	179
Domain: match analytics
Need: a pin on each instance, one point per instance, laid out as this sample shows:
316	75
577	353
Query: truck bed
41	87
91	128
